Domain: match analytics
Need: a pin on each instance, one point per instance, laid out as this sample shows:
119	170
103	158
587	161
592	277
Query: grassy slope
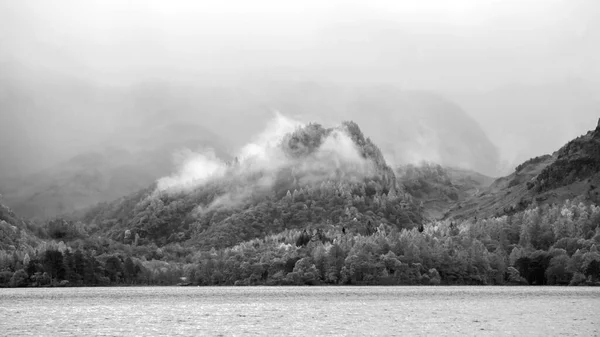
572	171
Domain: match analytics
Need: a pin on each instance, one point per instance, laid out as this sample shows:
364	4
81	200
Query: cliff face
577	160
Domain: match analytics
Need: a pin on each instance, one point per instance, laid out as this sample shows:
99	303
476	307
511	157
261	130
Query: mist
75	76
264	152
283	145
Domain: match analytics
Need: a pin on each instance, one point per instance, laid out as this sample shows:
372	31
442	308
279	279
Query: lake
300	311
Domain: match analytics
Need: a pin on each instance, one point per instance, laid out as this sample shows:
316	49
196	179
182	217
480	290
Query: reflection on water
300	311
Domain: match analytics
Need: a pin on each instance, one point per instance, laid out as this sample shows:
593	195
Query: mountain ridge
571	171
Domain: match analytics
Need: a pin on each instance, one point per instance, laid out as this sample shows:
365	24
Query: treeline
56	264
542	245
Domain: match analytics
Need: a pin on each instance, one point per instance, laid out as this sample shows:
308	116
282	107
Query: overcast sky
435	44
458	47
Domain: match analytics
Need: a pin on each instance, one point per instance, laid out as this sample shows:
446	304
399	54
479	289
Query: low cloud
263	153
195	169
258	164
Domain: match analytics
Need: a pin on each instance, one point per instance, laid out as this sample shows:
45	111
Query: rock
579	159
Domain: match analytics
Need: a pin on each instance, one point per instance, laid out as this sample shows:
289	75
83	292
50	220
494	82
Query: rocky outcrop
572	171
577	160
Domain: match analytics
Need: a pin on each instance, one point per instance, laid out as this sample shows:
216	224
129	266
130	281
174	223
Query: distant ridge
572	171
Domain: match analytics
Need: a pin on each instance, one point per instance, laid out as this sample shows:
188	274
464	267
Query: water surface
300	311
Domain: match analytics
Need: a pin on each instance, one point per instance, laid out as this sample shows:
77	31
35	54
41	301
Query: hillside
570	172
301	187
304	204
440	188
126	163
311	176
16	233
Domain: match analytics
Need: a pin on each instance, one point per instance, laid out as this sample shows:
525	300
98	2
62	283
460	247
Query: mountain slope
312	176
572	171
128	162
440	188
15	233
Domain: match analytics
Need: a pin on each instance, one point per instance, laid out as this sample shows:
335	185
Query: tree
61	229
360	269
578	279
303	239
5	277
576	262
130	271
19	279
514	277
434	277
516	254
593	270
33	267
89	269
591	263
113	269
557	272
69	264
306	270
53	265
498	265
539	262
78	263
334	263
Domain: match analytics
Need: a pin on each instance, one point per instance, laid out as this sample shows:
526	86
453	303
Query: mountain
524	120
304	204
314	177
311	176
572	171
72	143
408	125
127	162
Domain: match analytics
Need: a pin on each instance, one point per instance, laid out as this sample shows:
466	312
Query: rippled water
300	311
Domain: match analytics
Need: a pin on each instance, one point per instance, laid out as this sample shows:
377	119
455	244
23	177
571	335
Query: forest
543	245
